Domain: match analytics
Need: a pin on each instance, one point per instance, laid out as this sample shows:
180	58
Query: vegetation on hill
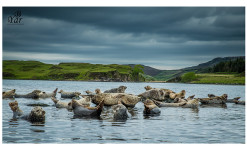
228	70
237	65
216	78
188	77
174	75
36	70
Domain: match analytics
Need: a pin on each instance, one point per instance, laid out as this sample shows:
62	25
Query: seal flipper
54	100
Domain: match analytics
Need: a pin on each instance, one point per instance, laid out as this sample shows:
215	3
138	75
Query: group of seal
120	102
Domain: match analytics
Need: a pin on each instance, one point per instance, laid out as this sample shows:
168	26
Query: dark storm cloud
171	37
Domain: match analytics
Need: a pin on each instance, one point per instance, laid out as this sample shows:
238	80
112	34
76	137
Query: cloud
172	37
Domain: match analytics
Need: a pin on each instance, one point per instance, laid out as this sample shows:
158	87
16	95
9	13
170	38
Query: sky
161	37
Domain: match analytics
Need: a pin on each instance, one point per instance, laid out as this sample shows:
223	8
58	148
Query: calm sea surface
174	125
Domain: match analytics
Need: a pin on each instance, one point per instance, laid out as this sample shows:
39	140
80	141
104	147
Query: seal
233	100
157	94
120	112
37	114
110	99
150	108
69	94
88	92
34	95
85	101
161	94
177	95
239	102
161	104
147	88
190	97
8	94
60	104
120	89
211	95
81	111
180	100
47	95
214	100
194	103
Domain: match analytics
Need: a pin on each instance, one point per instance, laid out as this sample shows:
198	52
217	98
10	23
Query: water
174	125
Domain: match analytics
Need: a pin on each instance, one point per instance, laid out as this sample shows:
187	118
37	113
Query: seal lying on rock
180	100
9	94
37	114
150	108
147	88
81	111
232	100
69	94
120	112
157	94
47	95
214	100
88	92
120	89
194	103
34	95
239	102
85	102
60	104
190	97
110	99
211	95
177	95
161	104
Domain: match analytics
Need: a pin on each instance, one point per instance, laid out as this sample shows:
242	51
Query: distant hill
96	72
148	70
165	75
213	62
35	70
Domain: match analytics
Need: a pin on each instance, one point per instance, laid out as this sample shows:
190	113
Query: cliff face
109	76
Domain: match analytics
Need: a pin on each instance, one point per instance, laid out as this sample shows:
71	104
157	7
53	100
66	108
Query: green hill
166	75
35	70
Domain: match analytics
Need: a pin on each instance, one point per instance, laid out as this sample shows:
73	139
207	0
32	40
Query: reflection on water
206	124
213	105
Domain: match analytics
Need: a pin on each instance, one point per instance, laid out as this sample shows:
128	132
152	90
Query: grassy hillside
214	78
166	75
66	71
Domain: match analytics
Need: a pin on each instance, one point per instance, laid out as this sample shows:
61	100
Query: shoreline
129	81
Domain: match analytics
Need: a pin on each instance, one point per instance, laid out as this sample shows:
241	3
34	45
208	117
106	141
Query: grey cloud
159	35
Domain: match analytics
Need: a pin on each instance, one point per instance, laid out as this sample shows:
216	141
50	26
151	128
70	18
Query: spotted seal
120	89
120	112
47	95
60	104
8	94
150	108
214	100
69	94
162	104
34	95
82	111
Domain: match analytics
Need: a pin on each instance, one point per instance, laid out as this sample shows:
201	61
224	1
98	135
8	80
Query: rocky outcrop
110	76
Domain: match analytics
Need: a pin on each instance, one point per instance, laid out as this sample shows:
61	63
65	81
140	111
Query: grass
215	78
64	71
